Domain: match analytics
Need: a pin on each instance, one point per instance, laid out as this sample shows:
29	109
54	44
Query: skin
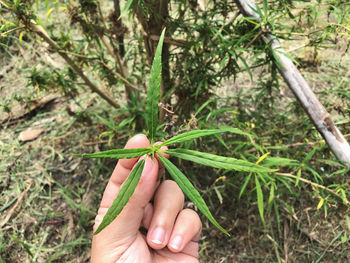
173	232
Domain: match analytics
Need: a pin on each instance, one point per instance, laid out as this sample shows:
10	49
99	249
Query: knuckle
192	215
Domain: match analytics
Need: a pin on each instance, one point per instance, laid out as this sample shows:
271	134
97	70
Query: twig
94	143
101	14
11	30
168	40
118	25
124	72
42	33
104	141
65	135
346	202
296	144
126	82
285	240
5	5
12	210
223	26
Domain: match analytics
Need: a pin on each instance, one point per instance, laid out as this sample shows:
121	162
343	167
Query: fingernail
158	236
148	166
176	242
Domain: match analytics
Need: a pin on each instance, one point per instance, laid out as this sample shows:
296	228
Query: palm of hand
140	251
173	232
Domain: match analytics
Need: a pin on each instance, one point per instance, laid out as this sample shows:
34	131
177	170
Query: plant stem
346	202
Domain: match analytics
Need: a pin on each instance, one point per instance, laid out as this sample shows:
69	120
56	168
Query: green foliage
154	90
190	191
191	135
118	153
217	161
202	158
123	196
260	198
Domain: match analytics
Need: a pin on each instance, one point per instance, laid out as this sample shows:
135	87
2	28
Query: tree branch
345	201
42	33
313	107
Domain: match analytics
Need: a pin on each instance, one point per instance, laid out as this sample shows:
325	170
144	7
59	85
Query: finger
168	202
132	213
122	170
147	216
128	221
187	229
123	231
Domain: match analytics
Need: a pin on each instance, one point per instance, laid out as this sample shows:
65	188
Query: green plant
154	150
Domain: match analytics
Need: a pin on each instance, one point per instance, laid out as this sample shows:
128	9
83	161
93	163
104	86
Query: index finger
122	170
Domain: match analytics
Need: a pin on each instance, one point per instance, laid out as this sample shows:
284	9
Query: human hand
173	232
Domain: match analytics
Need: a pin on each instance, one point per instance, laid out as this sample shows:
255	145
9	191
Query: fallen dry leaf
29	134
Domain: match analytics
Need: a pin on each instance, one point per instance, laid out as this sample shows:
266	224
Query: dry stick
4	4
124	72
153	25
119	24
12	210
168	40
345	201
294	144
317	113
42	33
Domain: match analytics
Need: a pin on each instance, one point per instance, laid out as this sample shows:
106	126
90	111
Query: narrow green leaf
260	198
272	194
205	104
24	245
190	191
218	194
118	153
221	140
126	8
244	186
123	196
246	66
309	155
279	161
278	216
217	161
106	122
154	90
187	136
265	7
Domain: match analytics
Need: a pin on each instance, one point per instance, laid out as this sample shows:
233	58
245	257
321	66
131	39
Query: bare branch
346	202
42	33
313	107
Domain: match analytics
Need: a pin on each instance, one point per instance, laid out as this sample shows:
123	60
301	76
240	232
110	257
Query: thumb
124	228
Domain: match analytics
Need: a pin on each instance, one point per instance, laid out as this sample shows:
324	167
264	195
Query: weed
190	155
